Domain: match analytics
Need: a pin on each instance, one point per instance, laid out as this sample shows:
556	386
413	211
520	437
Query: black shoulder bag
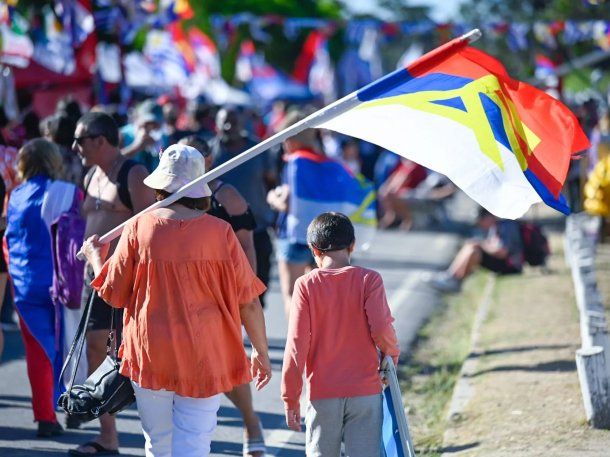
105	390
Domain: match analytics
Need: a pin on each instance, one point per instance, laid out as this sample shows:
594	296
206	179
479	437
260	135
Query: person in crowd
427	197
406	177
182	344
201	119
226	203
59	128
70	107
350	155
600	142
275	117
3	265
171	114
10	180
501	251
28	128
339	320
293	256
114	191
10	131
143	139
251	179
31	268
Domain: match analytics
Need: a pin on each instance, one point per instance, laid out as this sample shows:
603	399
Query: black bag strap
78	342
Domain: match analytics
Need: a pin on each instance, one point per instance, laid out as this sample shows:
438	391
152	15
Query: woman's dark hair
39	157
70	107
331	232
60	128
100	124
201	204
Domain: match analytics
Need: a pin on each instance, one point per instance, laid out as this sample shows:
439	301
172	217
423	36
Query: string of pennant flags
170	55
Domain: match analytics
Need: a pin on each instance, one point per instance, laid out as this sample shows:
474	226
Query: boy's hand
293	419
261	369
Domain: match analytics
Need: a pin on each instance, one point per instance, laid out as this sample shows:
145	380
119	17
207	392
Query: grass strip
431	371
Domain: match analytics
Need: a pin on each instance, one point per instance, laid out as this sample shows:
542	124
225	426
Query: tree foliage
521	63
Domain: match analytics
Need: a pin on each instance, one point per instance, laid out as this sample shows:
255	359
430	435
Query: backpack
67	235
535	244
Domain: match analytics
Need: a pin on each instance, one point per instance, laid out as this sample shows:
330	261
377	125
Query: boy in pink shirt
339	320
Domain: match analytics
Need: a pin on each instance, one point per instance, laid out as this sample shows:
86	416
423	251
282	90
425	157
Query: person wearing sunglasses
114	191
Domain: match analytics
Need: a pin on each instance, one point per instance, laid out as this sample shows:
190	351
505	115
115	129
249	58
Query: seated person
407	176
426	198
501	251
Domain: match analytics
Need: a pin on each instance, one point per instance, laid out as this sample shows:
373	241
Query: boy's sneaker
445	282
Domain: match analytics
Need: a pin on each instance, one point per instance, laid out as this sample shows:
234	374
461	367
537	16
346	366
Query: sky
442	10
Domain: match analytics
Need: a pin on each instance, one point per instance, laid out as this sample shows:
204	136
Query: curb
463	390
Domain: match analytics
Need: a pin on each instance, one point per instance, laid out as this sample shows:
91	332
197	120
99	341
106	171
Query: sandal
254	445
99	450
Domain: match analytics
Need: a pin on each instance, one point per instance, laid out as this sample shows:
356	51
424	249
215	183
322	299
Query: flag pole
319	117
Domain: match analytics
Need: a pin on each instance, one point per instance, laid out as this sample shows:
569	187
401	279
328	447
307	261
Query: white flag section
443	145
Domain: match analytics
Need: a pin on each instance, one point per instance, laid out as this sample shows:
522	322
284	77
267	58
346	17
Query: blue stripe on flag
455	102
560	204
327	182
392	445
402	82
494	117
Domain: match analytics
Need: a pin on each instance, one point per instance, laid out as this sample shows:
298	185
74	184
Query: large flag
457	111
318	184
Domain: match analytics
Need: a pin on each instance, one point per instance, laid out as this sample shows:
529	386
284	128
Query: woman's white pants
176	426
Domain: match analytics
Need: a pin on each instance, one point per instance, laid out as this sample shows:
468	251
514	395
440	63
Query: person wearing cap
143	139
252	179
186	288
228	204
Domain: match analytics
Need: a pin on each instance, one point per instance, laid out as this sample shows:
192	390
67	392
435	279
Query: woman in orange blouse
186	287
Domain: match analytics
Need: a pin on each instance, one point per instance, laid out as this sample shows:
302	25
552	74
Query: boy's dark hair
331	232
101	124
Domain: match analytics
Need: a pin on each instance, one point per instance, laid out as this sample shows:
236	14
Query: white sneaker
446	283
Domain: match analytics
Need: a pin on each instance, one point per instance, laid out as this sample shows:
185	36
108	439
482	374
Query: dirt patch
527	399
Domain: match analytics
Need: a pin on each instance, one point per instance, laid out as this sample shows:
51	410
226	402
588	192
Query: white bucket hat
178	165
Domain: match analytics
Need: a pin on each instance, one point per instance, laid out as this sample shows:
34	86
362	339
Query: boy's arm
297	348
380	317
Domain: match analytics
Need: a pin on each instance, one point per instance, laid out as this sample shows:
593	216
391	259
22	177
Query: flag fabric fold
457	111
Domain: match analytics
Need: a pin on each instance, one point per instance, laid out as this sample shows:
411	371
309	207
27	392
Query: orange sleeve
380	317
248	285
297	347
115	282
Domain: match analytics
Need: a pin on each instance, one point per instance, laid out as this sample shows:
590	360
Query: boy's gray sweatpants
356	421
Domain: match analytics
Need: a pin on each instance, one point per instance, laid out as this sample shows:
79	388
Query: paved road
399	257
